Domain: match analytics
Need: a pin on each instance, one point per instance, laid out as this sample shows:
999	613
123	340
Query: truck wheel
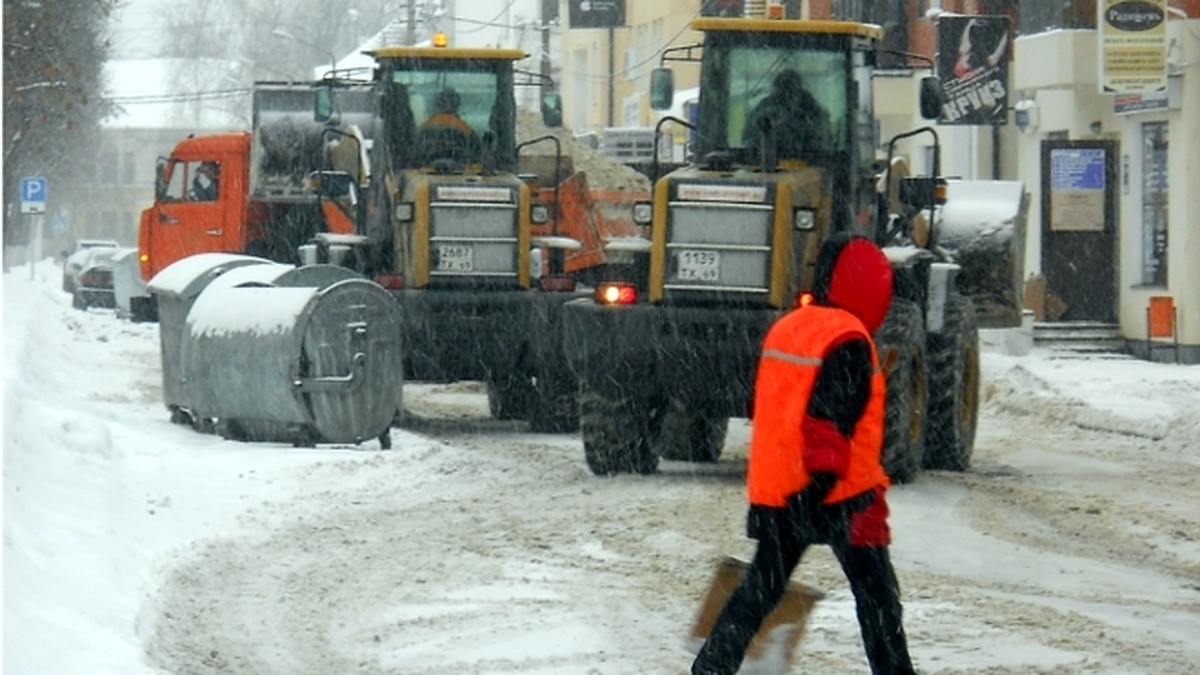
510	397
900	343
954	377
615	435
232	430
689	434
556	410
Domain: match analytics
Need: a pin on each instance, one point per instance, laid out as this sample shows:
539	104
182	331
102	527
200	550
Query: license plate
455	258
692	265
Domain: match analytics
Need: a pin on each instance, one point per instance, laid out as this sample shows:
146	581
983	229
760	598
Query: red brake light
616	294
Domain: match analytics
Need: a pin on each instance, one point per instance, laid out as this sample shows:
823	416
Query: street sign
33	195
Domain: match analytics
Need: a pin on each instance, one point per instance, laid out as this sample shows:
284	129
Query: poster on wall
972	63
1133	51
1077	189
596	13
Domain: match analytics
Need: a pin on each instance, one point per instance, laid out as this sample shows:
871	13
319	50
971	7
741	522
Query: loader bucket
774	645
982	227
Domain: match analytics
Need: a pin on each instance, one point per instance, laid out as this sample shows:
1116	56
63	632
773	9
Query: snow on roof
158	94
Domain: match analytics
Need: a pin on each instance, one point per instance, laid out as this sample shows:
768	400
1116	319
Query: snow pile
603	172
1127	396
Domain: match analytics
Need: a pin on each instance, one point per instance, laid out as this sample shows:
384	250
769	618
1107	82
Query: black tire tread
954	379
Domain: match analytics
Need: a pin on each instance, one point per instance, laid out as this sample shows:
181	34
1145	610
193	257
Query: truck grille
719	247
471	239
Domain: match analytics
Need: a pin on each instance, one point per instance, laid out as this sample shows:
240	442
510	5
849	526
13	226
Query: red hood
854	274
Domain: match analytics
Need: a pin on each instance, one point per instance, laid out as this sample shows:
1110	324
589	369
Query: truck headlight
539	214
643	213
804	219
404	212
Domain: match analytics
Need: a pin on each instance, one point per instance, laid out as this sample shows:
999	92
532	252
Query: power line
182	97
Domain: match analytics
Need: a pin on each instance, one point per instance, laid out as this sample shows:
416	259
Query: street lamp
286	35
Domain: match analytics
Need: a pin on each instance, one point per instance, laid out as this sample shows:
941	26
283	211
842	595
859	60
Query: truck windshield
796	89
443	109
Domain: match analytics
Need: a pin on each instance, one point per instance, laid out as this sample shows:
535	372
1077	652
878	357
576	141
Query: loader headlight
539	214
804	219
404	212
643	213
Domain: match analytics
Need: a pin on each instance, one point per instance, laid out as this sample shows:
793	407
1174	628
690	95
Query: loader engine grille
719	248
473	240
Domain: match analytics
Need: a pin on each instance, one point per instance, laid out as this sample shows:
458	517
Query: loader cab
777	96
797	90
448	109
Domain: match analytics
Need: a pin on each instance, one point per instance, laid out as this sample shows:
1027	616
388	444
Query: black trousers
872	580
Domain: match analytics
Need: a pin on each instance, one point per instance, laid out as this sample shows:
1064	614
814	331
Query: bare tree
53	55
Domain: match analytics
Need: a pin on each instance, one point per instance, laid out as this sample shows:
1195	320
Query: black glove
815	520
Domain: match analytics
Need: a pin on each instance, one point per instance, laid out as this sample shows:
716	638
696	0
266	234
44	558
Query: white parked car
77	257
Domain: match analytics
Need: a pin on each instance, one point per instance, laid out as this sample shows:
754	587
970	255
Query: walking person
814	474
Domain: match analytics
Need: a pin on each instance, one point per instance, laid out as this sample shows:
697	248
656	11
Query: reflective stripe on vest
787	373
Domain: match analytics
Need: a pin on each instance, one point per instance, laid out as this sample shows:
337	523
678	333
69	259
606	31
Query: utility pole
409	24
549	13
612	77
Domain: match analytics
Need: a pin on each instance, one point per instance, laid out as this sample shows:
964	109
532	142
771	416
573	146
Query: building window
1154	203
108	168
128	175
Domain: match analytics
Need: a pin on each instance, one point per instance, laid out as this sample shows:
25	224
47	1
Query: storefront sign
1133	55
596	13
1077	189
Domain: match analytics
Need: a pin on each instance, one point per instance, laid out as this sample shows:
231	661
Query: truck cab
200	203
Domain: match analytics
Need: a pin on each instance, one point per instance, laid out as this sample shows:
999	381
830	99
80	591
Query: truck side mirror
160	179
932	97
551	109
323	104
662	88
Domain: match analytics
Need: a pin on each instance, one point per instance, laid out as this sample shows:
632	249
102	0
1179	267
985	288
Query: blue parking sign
33	195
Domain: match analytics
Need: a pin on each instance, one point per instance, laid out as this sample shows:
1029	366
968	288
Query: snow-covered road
132	545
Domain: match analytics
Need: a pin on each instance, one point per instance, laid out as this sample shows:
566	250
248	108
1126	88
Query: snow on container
296	364
175	290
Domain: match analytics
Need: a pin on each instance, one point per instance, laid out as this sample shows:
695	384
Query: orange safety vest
787	373
449	120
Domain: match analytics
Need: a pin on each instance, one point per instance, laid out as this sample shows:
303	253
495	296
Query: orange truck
244	192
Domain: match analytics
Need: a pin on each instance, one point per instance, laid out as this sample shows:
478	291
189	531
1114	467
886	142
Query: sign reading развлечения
1133	50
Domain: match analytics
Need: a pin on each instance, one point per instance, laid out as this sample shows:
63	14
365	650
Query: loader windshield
794	85
449	109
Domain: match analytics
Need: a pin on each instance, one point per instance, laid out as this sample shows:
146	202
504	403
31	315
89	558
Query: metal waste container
298	364
175	289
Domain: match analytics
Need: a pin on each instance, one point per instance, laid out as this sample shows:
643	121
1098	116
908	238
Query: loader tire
510	397
900	343
615	434
688	433
556	409
954	377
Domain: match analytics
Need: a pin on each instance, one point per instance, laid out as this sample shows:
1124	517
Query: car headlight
643	213
404	212
539	214
804	219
